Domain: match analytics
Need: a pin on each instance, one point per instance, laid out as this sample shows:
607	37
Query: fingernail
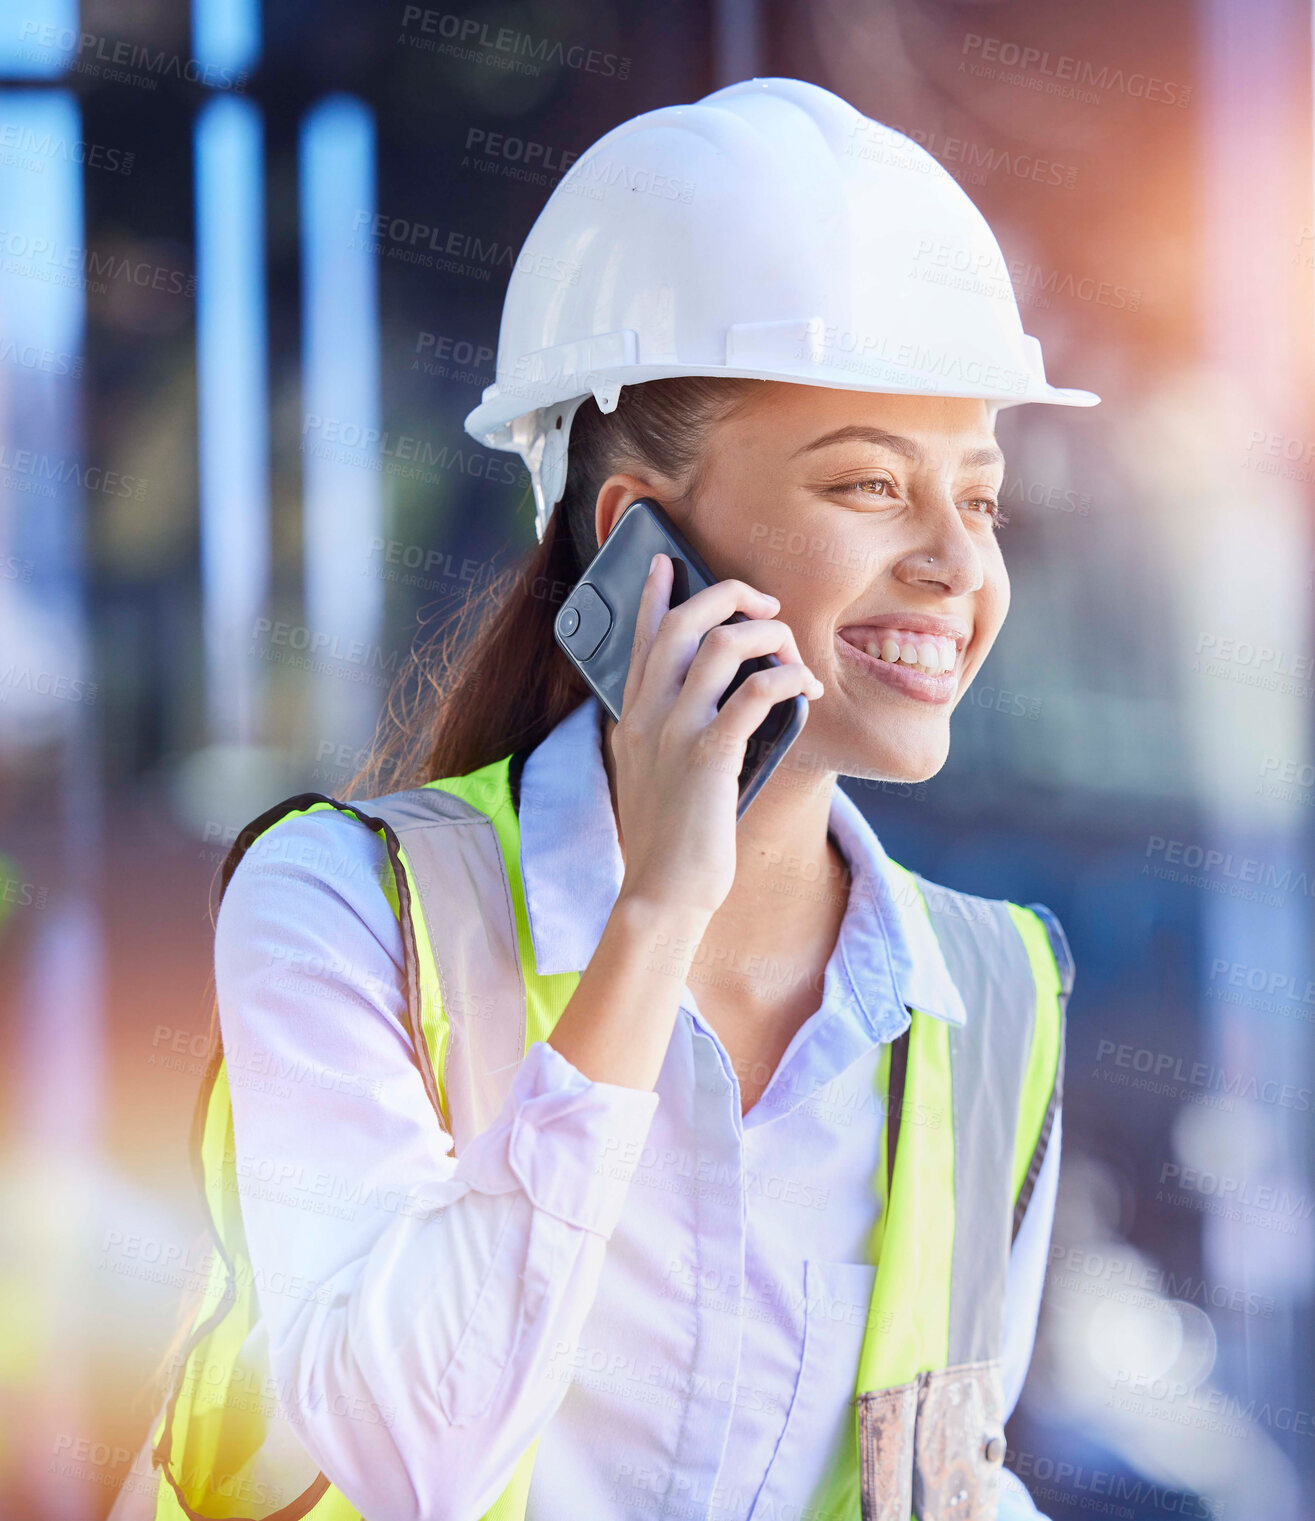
652	564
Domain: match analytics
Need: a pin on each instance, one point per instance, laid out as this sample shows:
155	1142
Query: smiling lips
931	654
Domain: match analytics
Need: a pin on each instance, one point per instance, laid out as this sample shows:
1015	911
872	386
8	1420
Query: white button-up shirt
669	1295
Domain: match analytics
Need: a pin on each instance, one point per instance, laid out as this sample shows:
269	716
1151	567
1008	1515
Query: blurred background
251	264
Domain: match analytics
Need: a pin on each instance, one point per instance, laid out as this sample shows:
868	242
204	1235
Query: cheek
814	611
994	597
990	608
818	578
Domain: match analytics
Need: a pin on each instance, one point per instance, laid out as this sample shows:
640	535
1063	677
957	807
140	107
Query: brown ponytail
492	679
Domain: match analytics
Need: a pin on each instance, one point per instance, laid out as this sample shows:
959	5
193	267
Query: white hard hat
770	231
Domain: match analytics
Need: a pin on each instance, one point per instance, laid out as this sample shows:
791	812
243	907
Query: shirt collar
571	867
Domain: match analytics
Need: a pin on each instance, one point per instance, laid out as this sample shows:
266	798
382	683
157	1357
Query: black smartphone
596	628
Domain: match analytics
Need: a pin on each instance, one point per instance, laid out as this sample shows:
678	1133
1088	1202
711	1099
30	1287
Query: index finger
684	627
715	604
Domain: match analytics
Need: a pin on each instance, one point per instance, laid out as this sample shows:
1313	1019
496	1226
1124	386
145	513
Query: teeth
932	654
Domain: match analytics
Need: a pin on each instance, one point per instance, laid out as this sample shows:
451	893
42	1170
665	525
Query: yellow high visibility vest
980	1101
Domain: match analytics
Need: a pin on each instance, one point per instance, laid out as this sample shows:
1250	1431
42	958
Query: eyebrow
897	444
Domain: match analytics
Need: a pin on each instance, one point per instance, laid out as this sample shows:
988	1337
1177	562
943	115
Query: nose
943	555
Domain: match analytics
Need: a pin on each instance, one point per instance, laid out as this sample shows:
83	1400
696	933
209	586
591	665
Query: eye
877	486
989	507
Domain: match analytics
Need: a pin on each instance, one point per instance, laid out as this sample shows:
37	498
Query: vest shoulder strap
378	818
1065	973
471	971
1059	946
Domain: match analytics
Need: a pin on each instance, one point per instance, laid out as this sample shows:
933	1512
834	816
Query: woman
574	1151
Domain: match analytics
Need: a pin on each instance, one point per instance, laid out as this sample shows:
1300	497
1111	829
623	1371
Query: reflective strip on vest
928	1400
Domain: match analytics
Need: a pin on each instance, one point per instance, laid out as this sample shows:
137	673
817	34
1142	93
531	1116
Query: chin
887	758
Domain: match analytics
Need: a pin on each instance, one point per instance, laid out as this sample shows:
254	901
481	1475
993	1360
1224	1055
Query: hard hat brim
491	421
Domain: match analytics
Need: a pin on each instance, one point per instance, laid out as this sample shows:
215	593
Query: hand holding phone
687	710
677	749
596	627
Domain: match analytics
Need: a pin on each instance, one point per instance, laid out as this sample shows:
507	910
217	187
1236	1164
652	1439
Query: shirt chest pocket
818	1448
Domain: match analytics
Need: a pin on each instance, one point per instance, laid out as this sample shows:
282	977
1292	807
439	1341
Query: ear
618	491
